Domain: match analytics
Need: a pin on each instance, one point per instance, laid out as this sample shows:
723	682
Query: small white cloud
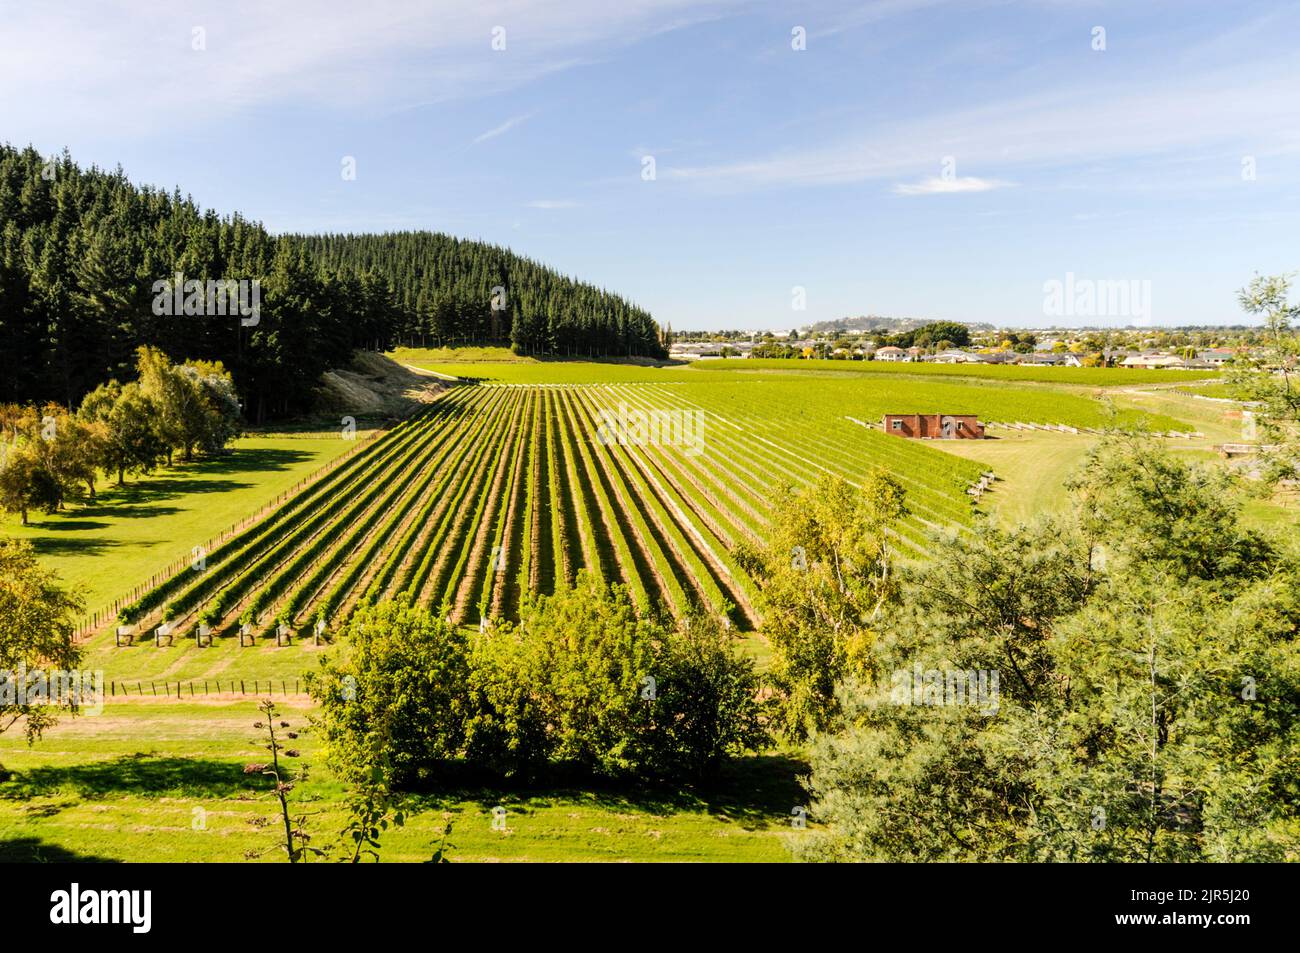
502	129
941	186
552	203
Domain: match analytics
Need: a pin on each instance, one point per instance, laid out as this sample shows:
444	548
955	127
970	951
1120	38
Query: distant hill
875	322
88	266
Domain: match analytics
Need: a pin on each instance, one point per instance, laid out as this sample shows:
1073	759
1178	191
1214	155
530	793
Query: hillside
875	322
93	266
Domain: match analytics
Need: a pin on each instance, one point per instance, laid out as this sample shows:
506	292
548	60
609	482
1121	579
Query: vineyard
505	487
495	491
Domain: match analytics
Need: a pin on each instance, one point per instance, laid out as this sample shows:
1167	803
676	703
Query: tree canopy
1140	698
91	267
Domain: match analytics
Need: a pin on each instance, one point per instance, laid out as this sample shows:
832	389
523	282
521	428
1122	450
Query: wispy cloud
552	203
941	186
127	66
502	129
1245	109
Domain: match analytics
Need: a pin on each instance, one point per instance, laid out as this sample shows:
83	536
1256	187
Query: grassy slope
128	785
1032	466
129	533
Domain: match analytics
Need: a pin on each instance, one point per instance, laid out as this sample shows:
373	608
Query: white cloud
1243	109
552	204
941	186
131	67
503	128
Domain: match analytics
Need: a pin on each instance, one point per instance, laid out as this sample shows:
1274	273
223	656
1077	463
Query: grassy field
163	781
1033	465
1215	389
501	364
128	533
1088	376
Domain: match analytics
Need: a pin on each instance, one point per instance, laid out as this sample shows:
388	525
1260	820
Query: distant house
1154	361
1216	357
890	353
934	426
1051	359
953	356
914	353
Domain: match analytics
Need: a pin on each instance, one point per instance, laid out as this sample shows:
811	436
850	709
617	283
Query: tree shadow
251	458
138	773
205	475
33	850
54	546
756	793
70	525
144	496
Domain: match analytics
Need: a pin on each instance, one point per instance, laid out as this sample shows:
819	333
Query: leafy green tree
123	419
1270	376
47	458
826	574
221	420
398	698
703	710
582	684
943	333
20	479
1151	508
37	618
583	653
1118	730
180	417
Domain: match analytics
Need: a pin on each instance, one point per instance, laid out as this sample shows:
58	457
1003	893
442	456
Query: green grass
128	533
670	534
134	782
1211	389
501	364
1091	376
499	355
1032	466
864	389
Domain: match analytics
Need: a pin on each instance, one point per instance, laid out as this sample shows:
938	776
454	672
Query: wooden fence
187	688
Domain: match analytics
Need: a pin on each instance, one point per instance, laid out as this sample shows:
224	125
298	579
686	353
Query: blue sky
918	158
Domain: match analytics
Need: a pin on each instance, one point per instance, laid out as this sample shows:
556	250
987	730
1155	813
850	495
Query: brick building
934	426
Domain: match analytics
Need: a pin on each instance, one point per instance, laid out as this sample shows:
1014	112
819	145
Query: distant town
950	342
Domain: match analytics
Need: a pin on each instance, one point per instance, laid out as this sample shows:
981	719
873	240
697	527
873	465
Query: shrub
398	698
580	684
